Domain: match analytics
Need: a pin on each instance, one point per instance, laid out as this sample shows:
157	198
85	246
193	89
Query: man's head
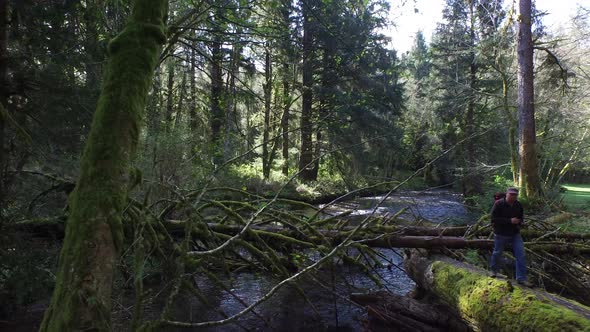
511	195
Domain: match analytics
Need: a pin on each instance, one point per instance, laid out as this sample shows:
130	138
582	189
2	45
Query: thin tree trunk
317	154
285	121
306	152
529	175
169	97
4	23
193	87
216	97
91	42
81	300
511	131
287	57
230	97
181	97
267	105
472	180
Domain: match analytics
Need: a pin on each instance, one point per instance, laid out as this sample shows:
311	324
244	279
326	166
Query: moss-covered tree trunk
490	304
82	296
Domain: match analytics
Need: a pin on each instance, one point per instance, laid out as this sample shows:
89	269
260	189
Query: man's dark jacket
502	212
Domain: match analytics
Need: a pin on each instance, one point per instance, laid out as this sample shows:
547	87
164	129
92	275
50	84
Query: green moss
495	305
94	232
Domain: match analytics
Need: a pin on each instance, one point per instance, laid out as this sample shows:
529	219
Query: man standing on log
507	218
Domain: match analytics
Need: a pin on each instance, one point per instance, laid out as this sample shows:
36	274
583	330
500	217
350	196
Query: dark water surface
329	310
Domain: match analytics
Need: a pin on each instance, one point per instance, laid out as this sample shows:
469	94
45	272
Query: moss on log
494	304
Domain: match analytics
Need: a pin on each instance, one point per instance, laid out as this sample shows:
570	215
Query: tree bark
181	97
511	131
471	180
94	233
285	123
529	175
193	95
216	94
267	105
306	153
287	57
95	57
4	29
169	97
494	304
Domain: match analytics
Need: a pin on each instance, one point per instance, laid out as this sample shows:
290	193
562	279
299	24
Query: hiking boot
525	283
493	274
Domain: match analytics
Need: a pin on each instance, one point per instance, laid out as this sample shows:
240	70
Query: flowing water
437	206
327	307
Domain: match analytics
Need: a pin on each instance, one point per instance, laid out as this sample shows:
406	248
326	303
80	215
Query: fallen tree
489	304
455	242
393	236
402	313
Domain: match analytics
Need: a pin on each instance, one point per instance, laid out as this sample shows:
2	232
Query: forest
238	165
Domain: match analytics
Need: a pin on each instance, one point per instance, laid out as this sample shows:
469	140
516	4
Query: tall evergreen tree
529	174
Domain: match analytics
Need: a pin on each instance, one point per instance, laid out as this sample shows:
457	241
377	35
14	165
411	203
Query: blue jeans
500	241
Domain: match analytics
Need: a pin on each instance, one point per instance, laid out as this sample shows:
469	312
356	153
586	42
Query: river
327	307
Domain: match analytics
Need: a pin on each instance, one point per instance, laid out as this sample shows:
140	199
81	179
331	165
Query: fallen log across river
378	237
489	304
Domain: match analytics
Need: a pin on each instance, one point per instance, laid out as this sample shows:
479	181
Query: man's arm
496	218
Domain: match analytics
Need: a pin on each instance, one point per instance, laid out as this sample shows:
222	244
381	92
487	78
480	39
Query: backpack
498	196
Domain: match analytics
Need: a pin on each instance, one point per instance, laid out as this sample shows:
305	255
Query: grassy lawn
577	196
